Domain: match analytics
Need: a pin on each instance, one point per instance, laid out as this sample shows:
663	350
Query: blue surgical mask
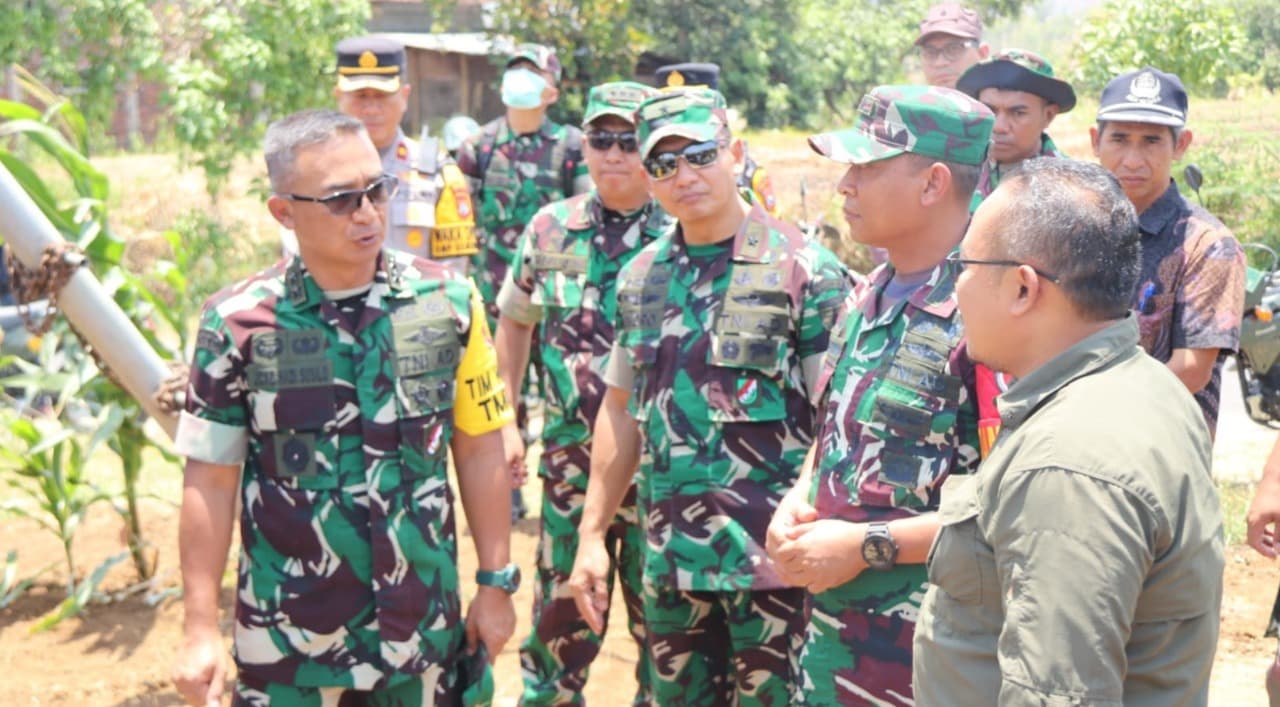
522	88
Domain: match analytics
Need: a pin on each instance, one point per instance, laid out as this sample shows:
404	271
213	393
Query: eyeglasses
699	154
602	140
344	203
949	51
962	263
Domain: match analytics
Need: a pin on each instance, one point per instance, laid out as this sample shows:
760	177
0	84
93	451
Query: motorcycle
1258	355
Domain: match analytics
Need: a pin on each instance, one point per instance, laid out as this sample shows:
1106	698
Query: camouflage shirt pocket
913	423
290	392
746	381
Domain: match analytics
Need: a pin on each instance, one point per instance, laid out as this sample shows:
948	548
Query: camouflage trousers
857	648
414	691
556	656
714	648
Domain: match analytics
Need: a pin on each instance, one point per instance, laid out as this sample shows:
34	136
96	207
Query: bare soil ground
120	653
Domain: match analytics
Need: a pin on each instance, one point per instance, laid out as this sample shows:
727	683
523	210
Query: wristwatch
879	550
506	579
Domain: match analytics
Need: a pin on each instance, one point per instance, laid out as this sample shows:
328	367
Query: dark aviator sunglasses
663	165
344	203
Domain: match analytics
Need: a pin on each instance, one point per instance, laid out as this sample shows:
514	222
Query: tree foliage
241	64
89	48
784	62
1261	22
1201	41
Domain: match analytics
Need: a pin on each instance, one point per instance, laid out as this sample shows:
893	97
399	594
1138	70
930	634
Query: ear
337	93
1184	141
984	50
1050	112
281	210
736	149
405	89
1094	138
1030	289
550	94
937	186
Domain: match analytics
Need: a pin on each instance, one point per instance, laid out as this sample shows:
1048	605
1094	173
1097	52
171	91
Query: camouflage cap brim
930	121
698	132
358	82
851	146
617	98
694	113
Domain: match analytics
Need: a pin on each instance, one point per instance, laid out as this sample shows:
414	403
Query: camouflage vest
560	263
565	155
750	332
897	416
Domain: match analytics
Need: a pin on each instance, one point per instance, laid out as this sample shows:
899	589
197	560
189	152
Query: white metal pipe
86	303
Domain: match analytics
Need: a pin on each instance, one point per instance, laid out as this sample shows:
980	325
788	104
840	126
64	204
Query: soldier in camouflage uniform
1019	87
722	326
328	389
517	164
753	179
564	283
897	397
430	215
1191	294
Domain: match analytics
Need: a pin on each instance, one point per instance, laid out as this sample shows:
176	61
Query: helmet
457	129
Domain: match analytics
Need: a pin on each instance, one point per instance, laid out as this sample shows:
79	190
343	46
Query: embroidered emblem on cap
368	60
675	79
1145	88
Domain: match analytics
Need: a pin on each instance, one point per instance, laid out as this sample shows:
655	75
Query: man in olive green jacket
1083	563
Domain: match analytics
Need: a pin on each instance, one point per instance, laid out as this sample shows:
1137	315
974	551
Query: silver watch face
878	550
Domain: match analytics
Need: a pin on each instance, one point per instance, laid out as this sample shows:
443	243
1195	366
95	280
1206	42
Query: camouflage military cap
696	113
923	120
620	98
1018	70
539	55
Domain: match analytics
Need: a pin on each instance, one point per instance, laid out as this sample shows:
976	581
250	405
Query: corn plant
46	154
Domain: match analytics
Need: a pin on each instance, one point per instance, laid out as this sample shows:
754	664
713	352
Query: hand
1263	517
513	452
792	510
490	618
822	554
589	581
201	668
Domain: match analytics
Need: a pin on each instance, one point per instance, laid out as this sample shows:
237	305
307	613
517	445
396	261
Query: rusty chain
58	263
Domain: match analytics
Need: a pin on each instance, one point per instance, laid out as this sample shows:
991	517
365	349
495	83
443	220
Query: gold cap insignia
368	60
675	78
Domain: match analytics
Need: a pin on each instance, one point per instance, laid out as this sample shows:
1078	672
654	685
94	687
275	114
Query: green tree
1261	24
784	62
240	64
1199	40
91	48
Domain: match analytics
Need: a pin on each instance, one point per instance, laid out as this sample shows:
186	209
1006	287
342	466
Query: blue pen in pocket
1146	303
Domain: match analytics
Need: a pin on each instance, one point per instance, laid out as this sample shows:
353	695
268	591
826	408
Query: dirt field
120	653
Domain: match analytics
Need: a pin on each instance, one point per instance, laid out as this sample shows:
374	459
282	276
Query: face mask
522	88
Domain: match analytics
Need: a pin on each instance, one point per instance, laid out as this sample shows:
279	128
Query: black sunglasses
602	140
344	203
698	154
964	262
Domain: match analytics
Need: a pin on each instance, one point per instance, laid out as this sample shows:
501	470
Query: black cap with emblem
1147	95
688	74
370	62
